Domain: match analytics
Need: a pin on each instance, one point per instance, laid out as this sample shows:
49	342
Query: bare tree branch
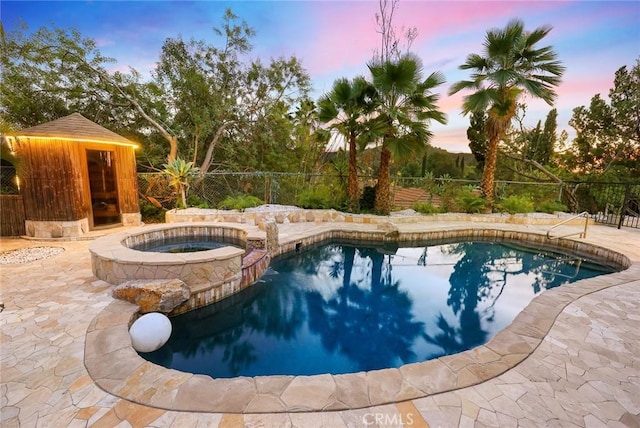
571	198
206	163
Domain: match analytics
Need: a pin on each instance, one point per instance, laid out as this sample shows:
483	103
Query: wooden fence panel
11	215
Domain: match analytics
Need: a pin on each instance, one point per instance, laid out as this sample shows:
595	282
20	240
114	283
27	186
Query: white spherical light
150	331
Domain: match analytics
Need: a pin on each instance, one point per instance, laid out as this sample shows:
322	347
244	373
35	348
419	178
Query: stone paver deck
585	371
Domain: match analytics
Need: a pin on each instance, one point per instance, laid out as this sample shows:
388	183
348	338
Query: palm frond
436	78
327	110
475	61
436	115
462	85
538	89
536	35
503	77
511	64
479	101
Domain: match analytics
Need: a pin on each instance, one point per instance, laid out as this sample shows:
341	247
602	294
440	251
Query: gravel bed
26	255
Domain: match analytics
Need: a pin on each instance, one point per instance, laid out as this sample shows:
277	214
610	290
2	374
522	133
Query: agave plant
180	174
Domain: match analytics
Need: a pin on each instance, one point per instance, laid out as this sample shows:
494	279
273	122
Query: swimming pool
343	308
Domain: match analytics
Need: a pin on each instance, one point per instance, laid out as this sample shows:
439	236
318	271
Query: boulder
391	230
153	295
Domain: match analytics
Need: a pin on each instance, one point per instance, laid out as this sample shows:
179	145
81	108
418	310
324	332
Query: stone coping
115	366
112	247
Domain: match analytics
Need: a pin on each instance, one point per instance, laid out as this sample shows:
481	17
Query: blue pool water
341	308
186	244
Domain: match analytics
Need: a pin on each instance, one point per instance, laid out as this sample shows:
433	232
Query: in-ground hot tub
211	275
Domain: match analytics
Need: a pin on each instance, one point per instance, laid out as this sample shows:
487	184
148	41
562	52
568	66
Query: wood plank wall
54	179
127	179
51	180
11	215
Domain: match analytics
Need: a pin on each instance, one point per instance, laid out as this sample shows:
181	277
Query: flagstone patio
583	371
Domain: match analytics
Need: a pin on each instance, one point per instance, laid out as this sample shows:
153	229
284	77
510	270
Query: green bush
551	206
517	204
470	202
194	201
426	208
239	202
150	213
321	197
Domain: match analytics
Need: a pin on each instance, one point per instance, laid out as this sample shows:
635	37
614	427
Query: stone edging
283	216
119	370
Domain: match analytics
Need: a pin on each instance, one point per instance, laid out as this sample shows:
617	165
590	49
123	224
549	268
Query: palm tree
511	65
405	104
345	109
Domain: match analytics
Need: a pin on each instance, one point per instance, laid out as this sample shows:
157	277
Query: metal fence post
625	201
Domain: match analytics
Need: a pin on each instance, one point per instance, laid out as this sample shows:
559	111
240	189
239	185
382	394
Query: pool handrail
582	234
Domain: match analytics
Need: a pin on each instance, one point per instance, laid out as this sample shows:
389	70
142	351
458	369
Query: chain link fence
285	188
610	203
213	188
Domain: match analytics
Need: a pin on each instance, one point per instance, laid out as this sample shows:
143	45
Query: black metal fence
616	204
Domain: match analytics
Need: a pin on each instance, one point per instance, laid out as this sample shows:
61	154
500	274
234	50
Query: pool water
341	308
186	244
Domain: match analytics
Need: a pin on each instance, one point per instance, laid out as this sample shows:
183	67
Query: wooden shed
74	176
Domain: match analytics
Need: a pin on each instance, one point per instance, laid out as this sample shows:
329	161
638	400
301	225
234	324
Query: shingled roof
76	127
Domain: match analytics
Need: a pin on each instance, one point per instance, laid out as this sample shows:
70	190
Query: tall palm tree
345	109
511	65
405	105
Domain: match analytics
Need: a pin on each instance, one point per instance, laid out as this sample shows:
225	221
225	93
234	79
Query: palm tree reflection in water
341	308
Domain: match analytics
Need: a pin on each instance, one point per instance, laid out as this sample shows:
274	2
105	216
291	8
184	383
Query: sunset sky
336	38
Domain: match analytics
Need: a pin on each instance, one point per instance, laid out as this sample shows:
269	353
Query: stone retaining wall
259	218
56	229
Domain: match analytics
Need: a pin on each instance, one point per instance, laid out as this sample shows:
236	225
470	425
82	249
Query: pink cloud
453	140
102	42
575	92
345	36
435	19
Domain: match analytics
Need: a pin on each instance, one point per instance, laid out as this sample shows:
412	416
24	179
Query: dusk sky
336	38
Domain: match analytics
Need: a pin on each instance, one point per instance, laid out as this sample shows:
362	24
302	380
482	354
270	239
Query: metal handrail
582	234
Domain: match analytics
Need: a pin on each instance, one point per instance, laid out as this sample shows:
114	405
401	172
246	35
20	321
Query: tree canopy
206	101
607	139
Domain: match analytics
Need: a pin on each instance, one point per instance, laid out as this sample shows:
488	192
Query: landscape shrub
149	213
195	201
239	202
516	204
321	197
426	208
551	206
470	202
